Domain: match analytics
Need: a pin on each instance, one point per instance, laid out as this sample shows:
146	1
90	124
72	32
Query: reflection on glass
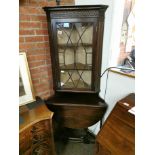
21	86
76	79
75	54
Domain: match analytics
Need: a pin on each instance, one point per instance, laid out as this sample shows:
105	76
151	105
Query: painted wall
118	85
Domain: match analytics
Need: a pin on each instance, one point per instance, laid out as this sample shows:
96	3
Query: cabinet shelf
77	66
81	84
86	45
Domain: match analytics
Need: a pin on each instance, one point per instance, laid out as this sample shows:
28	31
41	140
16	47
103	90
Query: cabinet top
76	7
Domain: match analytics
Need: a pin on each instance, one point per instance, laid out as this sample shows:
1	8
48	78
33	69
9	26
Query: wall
33	39
118	86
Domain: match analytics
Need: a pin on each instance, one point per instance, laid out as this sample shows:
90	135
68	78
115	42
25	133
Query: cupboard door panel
76	34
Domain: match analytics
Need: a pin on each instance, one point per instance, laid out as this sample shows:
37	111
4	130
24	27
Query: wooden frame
26	92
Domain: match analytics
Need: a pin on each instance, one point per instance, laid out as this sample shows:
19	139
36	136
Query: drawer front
41	126
42	148
37	139
41	138
25	140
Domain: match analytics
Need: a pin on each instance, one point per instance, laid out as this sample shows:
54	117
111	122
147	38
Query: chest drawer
41	132
36	139
25	140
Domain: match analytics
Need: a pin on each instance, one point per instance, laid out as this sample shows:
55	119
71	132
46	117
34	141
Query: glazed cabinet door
76	37
74	53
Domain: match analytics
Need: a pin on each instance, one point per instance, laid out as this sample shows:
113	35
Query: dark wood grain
77	107
77	110
117	135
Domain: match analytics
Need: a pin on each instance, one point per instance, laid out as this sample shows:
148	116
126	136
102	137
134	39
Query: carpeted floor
74	145
74	148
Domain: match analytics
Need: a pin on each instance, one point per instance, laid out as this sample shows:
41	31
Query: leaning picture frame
26	91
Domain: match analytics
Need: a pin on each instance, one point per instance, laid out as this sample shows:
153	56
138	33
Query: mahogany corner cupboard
76	36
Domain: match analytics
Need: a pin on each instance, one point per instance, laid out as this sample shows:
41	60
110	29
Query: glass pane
21	86
75	54
75	79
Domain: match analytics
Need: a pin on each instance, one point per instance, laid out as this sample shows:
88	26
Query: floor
75	145
74	148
